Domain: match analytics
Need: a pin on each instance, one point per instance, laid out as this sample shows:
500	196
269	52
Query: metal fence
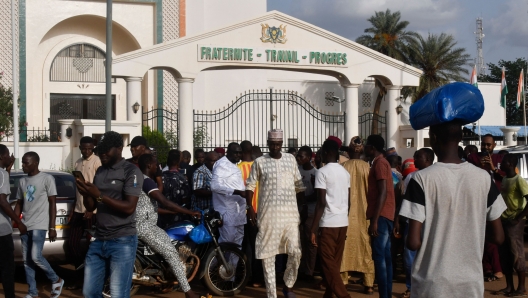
162	140
32	135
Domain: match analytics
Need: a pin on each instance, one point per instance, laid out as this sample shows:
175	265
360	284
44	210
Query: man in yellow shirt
250	231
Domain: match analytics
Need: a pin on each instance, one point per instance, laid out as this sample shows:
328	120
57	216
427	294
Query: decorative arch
80	62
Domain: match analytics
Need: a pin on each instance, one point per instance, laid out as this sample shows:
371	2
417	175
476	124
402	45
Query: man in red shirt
380	211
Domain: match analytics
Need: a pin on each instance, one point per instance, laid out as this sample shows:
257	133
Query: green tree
513	68
388	36
439	59
6	111
156	140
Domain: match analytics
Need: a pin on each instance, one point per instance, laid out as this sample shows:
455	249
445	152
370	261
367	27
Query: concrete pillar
185	115
393	123
352	111
509	140
133	86
69	144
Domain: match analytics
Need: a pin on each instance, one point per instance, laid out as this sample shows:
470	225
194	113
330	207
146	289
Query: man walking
7	261
380	211
332	185
250	231
80	218
281	191
115	193
309	252
228	195
357	255
202	195
447	220
36	198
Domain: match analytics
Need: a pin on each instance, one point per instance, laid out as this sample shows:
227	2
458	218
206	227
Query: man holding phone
80	218
487	160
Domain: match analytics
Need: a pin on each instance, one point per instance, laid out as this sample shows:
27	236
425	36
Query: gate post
351	111
393	96
185	115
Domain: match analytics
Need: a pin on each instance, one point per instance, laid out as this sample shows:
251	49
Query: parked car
54	252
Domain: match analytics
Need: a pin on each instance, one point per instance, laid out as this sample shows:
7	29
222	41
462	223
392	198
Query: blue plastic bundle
455	101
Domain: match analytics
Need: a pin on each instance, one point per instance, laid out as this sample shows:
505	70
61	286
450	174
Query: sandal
516	294
287	293
406	294
491	278
504	292
56	288
369	291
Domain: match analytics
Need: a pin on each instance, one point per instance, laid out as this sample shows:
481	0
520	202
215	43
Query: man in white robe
228	191
281	191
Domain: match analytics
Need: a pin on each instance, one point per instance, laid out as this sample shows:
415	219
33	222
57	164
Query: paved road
303	289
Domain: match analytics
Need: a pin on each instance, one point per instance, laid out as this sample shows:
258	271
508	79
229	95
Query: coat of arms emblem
273	34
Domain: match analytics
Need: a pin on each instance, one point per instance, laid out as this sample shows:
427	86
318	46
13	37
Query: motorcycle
222	267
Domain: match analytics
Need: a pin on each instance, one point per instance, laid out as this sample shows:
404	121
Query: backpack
175	187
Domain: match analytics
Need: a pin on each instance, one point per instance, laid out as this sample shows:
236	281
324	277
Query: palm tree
387	36
440	60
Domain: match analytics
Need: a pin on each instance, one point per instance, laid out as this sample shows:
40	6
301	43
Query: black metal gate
371	123
252	114
161	140
76	106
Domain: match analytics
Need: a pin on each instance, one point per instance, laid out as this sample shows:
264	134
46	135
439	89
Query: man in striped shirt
250	231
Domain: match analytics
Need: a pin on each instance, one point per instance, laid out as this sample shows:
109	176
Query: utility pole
16	135
108	66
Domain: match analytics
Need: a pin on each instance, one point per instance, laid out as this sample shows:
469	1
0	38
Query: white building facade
166	57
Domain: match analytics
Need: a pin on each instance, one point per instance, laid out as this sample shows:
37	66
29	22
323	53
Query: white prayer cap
275	135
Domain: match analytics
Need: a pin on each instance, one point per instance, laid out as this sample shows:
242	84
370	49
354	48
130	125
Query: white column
352	111
393	123
69	143
133	86
185	115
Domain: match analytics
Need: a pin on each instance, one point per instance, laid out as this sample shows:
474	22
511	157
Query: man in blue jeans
115	193
36	202
380	211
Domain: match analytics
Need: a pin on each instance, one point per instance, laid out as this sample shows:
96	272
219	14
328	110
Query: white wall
494	114
205	15
50	159
54	24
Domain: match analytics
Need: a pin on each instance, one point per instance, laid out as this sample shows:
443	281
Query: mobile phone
78	175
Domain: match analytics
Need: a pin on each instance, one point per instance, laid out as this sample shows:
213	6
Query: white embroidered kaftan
278	216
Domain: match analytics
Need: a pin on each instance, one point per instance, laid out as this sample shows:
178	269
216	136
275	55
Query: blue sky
505	22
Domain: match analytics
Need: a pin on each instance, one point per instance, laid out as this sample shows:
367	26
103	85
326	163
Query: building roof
493	130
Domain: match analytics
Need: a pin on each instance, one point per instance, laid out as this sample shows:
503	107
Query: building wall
53	25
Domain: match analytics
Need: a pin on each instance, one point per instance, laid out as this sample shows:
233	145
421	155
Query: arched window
79	63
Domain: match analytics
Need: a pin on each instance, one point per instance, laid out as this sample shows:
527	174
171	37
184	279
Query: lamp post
108	66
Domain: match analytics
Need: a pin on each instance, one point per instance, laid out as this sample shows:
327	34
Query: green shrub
156	140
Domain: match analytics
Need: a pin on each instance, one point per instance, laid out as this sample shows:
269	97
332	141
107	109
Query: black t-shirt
117	181
149	185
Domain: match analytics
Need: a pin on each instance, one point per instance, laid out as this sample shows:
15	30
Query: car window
65	186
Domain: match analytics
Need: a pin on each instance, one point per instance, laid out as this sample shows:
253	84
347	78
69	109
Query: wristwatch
99	199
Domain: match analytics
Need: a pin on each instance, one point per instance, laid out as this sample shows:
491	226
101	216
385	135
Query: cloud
509	26
349	18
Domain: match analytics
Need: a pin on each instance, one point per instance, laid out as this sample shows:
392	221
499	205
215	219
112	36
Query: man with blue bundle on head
447	215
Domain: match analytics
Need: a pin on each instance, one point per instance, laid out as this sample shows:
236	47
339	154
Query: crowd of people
339	210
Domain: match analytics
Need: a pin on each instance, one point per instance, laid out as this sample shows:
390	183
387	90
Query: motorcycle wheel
133	289
218	280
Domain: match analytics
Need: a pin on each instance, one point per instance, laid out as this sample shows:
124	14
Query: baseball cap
138	140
